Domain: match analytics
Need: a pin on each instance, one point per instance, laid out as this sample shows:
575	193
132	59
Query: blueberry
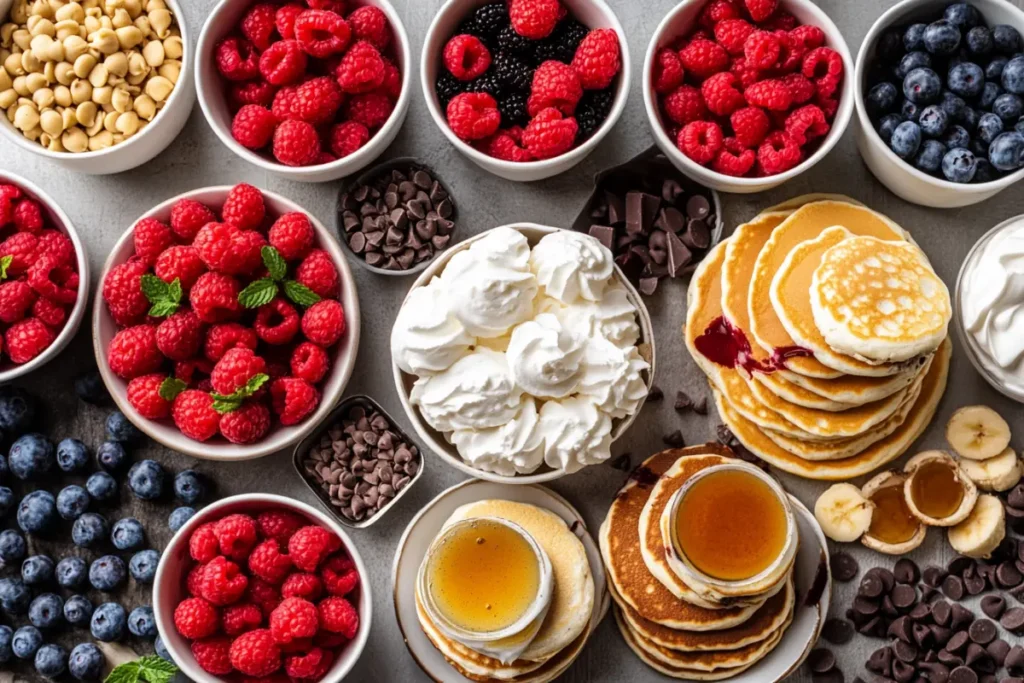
127	534
72	501
963	15
161	650
46	611
1019	126
994	70
72	572
990	92
86	662
910	111
111	456
77	610
956	137
12	548
906	139
885	128
881	99
911	61
108	622
37	512
4	469
14	596
189	486
986	172
51	660
1008	107
146	479
941	38
107	573
966	79
37	570
141	622
890	46
31	456
978	148
90	388
933	121
929	158
72	455
970	117
101	486
17	410
959	165
6	634
181	515
143	565
1012	79
1007	151
980	42
1007	39
6	500
989	128
913	37
922	86
121	430
26	642
89	530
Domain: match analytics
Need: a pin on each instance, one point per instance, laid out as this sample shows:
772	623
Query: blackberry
447	87
488	82
490	19
513	72
562	43
513	109
592	112
511	41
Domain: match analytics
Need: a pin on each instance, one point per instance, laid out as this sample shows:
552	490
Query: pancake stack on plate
678	630
822	329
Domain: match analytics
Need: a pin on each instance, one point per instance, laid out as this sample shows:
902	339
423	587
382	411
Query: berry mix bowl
195	318
962	141
535	87
301	90
317	631
736	124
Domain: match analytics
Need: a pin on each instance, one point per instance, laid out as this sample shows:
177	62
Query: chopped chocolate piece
622	462
648	285
837	631
906	571
655	394
953	587
993	606
683	401
844	566
357	242
635	213
933	576
821	660
675	439
604	234
1013	620
701	406
678	255
616	208
698	206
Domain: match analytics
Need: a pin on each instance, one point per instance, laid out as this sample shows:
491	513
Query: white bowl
140	148
593	14
679	22
59	220
903	179
169	585
212	97
435	440
343	355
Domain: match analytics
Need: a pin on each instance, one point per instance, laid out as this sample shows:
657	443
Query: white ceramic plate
427	524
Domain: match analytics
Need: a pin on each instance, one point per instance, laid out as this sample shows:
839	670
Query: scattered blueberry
970	118
1007	151
986	172
37	570
90	388
963	15
143	565
89	530
1007	39
957	136
31	456
890	45
1019	127
885	128
12	547
4	469
994	70
108	622
72	455
959	165
913	37
46	611
14	596
911	61
941	38
146	479
121	430
161	650
978	148
141	622
86	662
910	111
929	158
111	456
78	610
26	642
989	128
72	572
933	121
51	660
37	512
906	139
189	486
966	79
179	517
17	411
72	501
1008	107
127	534
1013	76
101	486
980	41
6	500
107	573
6	634
922	86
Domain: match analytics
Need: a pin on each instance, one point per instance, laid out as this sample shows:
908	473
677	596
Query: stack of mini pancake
566	626
839	328
670	626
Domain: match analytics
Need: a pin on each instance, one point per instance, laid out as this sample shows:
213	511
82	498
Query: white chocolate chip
153	52
99	76
101	140
26	118
75	140
117	64
86	113
129	36
51	122
43	98
159	88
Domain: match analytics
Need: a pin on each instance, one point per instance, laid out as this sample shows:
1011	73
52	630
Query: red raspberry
293	619
195	417
821	62
180	263
317	100
6	209
237	60
234	370
336	6
16	297
22	248
283	62
720	94
312	666
270	564
800	88
223	582
779	153
392	85
782	20
322	33
258	25
808	37
318	273
311	545
685	105
241	618
339	575
554	85
361	69
296	143
337	615
309	362
769	94
504	145
369	23
277	323
701	141
26	339
807	123
264	595
466	57
473	116
188	370
196	618
284	20
668	71
188	216
733	159
236	535
248	424
244	207
255	653
194	580
329	641
253	126
213	655
301	585
133	352
762	49
828	105
760	10
826	86
347	138
703	58
279	525
151	237
549	134
286	103
53	314
203	545
225	248
292	235
750	125
293	400
144	396
324	322
534	19
597	59
716	12
53	281
372	109
732	34
57	244
252	92
28	216
221	338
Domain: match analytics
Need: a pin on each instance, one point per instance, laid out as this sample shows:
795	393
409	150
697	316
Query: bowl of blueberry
940	100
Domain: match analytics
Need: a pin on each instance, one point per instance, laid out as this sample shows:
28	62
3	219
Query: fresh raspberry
808	37
732	34
203	546
188	216
534	19
53	281
22	247
237	59
597	59
361	69
347	138
296	143
279	525
277	370
255	653
293	401
292	235
554	85
760	10
264	595
213	655
6	210
258	24
466	57
791	54
238	619
769	94
11	192
28	216
133	352
800	88
311	666
684	105
253	126
284	20
371	109
225	248
277	323
668	71
234	370
322	33
251	92
324	322
248	424
549	134
750	125
54	315
318	273
220	338
807	123
223	582
194	415
721	95
762	49
779	153
339	575
244	207
392	85
781	21
151	237
236	535
503	145
337	615
283	62
701	141
311	545
57	244
16	298
188	371
293	619
716	12
269	563
144	396
196	618
302	585
26	339
309	362
329	641
317	100
826	86
703	58
473	116
733	159
180	263
194	580
286	103
829	105
822	61
336	6
369	23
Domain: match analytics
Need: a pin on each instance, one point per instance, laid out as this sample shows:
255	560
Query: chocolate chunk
683	401
821	660
993	606
962	674
616	208
961	617
1013	620
960	564
941	612
701	406
622	463
903	596
698	206
871	585
906	571
880	661
648	285
933	576
678	255
640	211
1008	576
675	439
998	649
905	652
604	234
953	587
837	631
1015	660
958	642
844	566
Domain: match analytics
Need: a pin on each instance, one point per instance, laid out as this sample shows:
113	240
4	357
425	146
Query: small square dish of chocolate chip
657	222
359	462
396	217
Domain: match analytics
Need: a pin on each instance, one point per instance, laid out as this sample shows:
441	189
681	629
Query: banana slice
1000	473
983	531
977	433
843	513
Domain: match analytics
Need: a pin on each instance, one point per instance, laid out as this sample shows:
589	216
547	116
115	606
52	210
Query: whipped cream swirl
476	392
545	357
512	448
426	337
576	434
613	377
571	265
612	318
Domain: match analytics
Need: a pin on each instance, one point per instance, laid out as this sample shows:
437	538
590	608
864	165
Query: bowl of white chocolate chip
98	86
522	354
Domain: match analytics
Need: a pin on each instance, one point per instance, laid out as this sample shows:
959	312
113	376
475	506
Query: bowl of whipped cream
521	354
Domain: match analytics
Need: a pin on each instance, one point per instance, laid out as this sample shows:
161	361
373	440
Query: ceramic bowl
592	13
169	585
140	148
436	442
899	176
212	98
59	220
343	354
680	21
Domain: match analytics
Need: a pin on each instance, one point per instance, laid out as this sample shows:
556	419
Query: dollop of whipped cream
515	447
426	337
571	265
476	392
576	434
545	357
612	318
490	286
612	377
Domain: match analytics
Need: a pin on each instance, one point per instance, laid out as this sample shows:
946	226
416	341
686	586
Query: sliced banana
977	433
927	485
843	513
1000	473
885	491
983	531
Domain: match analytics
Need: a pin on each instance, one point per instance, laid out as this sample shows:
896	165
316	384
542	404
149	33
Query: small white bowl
138	149
899	176
679	22
343	355
169	585
221	22
591	13
59	220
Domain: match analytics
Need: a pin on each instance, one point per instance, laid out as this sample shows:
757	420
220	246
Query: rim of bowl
835	40
884	22
444	451
8	130
361	157
77	314
356	646
580	152
238	452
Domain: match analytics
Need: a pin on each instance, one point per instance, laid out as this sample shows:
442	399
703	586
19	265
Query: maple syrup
937	490
892	521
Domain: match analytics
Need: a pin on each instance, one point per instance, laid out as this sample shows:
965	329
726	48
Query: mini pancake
878	300
794	393
852	389
804	199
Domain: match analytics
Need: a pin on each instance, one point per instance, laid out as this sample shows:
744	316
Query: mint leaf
254	385
171	387
166	298
154	288
226	405
232	402
154	669
300	294
5	263
274	262
258	293
125	673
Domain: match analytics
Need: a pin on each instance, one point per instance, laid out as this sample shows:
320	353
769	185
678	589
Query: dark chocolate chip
961	617
906	571
963	674
922	635
837	631
1016	497
888	608
993	606
871	586
901	628
1008	576
880	661
1013	620
821	660
975	585
959	564
933	576
922	611
655	394
905	652
1015	660
672	220
697	235
903	596
958	642
979	659
953	587
940	634
982	631
844	566
998	648
950	659
941	612
698	206
903	672
935	672
675	439
870	626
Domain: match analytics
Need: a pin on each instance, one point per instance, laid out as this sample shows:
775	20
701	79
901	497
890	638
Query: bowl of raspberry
312	90
226	324
45	278
262	586
940	100
743	95
525	89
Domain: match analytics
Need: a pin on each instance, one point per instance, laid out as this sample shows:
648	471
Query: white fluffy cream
612	318
545	357
426	337
576	434
571	265
515	447
613	377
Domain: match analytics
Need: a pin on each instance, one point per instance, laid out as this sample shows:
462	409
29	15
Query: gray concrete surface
103	207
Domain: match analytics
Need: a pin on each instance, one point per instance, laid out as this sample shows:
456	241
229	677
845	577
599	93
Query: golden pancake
851	388
794	393
804	199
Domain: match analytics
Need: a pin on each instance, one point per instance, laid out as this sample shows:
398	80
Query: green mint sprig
261	292
5	263
170	388
232	402
165	297
148	669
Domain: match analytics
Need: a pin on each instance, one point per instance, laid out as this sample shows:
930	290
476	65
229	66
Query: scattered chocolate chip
906	571
962	674
905	652
623	463
961	617
865	606
698	207
975	584
1013	620
902	672
655	394
675	439
959	564
1015	498
958	642
953	587
880	661
683	401
1015	660
949	659
922	635
901	628
998	649
935	672
933	576
844	566
979	659
701	406
903	596
941	612
940	634
1008	576
871	586
821	660
993	606
982	631
837	631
